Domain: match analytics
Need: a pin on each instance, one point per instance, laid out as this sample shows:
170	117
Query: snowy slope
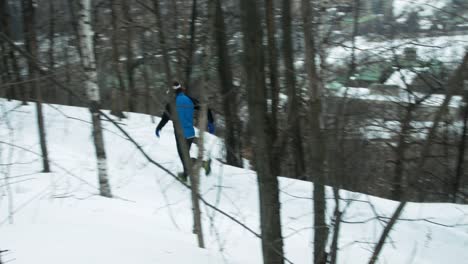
423	7
60	219
447	49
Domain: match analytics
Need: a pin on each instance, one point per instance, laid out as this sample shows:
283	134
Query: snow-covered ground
447	49
422	7
59	218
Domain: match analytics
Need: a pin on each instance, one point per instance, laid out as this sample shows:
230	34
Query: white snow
447	49
59	218
402	96
422	7
402	78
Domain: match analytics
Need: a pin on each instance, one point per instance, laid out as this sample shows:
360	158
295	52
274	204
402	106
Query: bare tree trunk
270	221
191	48
52	16
230	96
461	147
273	72
146	79
6	20
118	94
378	248
273	66
74	23
129	63
400	155
336	229
32	48
176	33
294	125
5	73
352	64
316	139
163	42
92	91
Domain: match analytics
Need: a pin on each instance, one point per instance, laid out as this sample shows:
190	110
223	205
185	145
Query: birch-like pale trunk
92	91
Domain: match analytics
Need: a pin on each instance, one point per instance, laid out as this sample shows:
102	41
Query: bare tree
315	135
32	48
163	41
230	94
118	93
461	148
130	61
92	91
294	105
270	222
10	62
191	44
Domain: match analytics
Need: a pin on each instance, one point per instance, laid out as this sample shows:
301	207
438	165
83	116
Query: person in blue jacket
185	107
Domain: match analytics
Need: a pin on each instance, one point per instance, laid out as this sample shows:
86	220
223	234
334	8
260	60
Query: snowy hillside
59	218
423	7
447	49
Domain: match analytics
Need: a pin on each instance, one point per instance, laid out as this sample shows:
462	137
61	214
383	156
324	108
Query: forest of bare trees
268	69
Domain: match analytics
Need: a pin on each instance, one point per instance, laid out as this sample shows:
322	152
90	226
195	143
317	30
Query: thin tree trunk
230	96
270	221
117	93
32	48
146	79
336	229
272	65
293	102
129	63
400	155
92	91
461	148
176	33
74	23
52	90
378	248
163	42
316	144
5	73
6	20
352	66
274	82
191	48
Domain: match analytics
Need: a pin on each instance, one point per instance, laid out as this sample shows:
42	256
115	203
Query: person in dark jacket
185	107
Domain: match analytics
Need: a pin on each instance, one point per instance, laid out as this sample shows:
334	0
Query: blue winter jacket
185	106
185	109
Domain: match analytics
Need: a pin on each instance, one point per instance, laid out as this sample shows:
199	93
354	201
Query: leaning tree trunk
230	96
294	126
32	48
316	138
92	91
270	221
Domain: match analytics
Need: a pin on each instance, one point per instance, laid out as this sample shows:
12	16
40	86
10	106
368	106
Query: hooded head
176	87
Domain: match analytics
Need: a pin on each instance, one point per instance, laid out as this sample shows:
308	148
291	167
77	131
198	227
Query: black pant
189	142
